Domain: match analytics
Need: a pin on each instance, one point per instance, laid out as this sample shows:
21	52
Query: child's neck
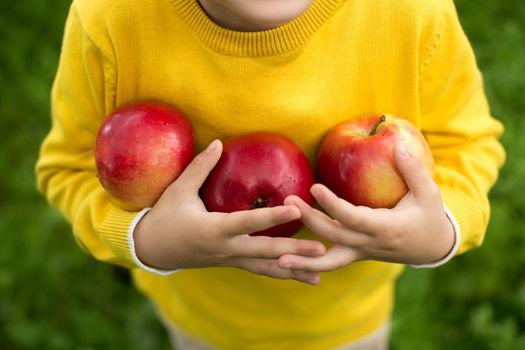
253	15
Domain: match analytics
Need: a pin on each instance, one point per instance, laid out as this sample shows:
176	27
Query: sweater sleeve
458	125
83	93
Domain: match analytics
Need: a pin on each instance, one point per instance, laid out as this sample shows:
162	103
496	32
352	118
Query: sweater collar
278	40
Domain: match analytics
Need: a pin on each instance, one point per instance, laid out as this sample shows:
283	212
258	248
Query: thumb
417	178
198	170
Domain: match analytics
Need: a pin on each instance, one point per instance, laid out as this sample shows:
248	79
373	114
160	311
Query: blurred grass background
53	296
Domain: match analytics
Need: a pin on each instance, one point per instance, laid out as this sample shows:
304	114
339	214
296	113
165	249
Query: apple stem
259	203
381	120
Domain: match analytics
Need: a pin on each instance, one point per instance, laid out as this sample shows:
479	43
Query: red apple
140	149
259	170
356	159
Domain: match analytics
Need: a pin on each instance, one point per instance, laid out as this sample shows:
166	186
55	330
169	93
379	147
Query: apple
141	148
259	170
356	159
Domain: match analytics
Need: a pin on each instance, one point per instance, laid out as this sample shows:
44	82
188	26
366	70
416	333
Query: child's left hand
415	231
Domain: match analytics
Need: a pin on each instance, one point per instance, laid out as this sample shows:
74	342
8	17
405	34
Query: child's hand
179	232
416	231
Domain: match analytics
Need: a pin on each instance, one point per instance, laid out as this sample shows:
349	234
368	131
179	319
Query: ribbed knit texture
114	230
338	60
275	41
468	215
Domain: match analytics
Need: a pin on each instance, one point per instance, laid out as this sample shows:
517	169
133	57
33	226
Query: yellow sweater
337	60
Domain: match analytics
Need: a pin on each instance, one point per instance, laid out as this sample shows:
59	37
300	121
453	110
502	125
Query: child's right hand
179	232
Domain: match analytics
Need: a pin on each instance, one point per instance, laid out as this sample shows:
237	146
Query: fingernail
319	251
212	146
294	201
289	201
295	212
316	192
403	151
314	279
286	265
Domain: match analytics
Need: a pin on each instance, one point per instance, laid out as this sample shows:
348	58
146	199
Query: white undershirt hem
454	249
133	251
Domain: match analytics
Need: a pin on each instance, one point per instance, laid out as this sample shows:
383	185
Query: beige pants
377	340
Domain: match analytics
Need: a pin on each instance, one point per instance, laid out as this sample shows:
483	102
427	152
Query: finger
356	218
273	247
270	268
337	257
323	225
198	170
417	178
249	221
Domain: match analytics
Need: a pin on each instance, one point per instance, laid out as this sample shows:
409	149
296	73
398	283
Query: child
297	68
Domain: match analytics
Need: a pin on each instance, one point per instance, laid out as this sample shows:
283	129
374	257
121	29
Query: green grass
478	300
53	296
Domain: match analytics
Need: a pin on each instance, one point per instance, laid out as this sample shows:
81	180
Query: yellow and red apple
141	149
356	159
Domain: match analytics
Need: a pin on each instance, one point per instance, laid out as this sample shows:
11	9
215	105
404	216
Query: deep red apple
356	159
140	149
259	170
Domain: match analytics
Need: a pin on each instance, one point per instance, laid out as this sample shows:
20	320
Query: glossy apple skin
140	150
361	168
259	170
